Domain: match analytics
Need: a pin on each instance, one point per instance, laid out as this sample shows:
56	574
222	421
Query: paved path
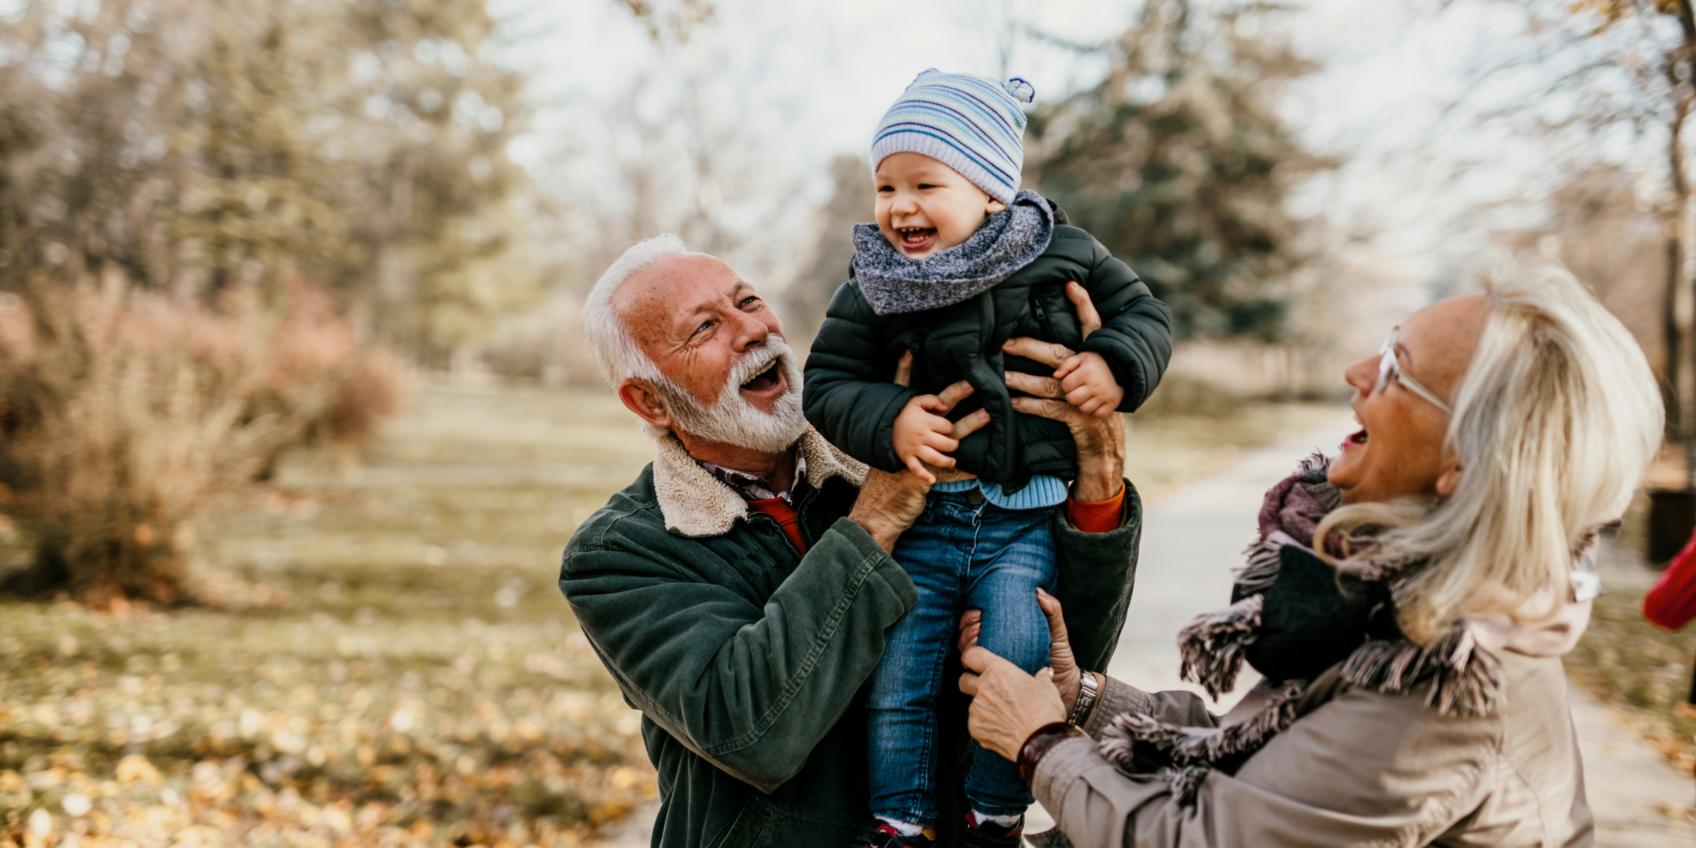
1190	542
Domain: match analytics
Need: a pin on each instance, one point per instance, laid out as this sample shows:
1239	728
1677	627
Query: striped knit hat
971	124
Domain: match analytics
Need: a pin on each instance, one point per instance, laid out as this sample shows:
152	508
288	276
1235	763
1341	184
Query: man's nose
751	332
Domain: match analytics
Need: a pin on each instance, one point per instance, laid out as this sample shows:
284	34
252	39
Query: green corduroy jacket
747	659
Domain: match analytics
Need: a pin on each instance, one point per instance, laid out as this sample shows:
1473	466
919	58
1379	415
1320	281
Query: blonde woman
1407	605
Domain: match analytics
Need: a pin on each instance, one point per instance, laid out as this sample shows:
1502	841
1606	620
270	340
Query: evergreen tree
1179	162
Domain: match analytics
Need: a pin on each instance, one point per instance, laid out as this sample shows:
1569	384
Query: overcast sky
800	81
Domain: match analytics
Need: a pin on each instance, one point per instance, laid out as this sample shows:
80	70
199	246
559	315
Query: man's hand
1100	440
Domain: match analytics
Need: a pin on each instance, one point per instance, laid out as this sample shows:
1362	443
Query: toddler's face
924	206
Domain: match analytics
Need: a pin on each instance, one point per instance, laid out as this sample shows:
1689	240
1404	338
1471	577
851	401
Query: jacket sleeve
846	391
750	688
1671	603
1365	768
1136	327
1096	574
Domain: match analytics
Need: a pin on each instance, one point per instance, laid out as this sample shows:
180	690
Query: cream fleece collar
694	503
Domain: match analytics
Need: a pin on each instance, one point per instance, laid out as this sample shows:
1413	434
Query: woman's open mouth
1355	439
916	239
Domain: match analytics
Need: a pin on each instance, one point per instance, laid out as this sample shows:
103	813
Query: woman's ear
640	398
1448	481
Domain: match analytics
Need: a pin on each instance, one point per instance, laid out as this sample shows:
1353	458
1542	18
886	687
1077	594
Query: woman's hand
889	503
1100	440
1067	675
1008	705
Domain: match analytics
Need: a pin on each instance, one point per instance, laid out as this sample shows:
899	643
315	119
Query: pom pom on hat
1021	89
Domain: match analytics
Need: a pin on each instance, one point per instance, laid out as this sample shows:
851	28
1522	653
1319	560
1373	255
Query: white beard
731	419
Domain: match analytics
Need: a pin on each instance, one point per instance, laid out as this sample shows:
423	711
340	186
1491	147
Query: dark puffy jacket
849	397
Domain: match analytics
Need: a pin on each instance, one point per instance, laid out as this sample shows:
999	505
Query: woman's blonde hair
1553	425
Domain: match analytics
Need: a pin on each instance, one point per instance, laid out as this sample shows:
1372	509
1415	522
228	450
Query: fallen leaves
423	684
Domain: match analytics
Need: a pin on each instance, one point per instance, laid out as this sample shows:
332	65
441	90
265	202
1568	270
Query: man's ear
639	397
1448	481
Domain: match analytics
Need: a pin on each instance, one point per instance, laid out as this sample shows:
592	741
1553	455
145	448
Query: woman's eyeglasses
1390	368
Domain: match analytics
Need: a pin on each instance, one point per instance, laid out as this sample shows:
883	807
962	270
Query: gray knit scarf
1292	628
1006	241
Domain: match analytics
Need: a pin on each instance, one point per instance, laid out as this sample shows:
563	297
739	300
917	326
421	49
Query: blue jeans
962	553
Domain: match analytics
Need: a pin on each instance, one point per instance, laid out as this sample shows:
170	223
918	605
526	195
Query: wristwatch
1088	689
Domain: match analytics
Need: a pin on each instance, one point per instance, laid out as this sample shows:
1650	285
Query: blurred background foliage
293	396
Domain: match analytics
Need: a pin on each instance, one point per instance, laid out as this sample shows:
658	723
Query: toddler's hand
1088	384
922	436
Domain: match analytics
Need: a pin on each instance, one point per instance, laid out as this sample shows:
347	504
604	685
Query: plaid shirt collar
754	488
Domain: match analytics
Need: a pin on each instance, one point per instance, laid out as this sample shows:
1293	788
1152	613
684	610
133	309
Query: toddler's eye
883	189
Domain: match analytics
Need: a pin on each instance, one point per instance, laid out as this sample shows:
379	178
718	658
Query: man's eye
749	300
705	326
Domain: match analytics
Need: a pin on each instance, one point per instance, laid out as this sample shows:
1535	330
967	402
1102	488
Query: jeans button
974	497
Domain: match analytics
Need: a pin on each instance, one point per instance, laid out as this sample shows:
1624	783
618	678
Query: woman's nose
1362	376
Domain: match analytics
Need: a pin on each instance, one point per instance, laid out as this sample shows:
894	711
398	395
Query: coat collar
694	503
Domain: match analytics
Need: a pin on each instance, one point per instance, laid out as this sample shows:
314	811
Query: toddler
958	261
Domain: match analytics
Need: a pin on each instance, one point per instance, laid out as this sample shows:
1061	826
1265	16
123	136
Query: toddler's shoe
880	834
988	834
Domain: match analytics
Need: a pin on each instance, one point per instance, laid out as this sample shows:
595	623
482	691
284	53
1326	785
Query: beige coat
1357	768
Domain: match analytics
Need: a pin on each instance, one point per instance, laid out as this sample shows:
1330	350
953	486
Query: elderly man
741	588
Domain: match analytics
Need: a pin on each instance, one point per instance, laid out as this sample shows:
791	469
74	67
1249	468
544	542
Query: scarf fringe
1211	647
1464	677
1194	752
1189	746
1186	783
1261	569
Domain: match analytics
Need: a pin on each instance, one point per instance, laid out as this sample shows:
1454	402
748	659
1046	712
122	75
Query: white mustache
775	349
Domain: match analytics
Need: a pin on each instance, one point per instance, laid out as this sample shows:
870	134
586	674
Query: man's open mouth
766	380
1357	438
916	238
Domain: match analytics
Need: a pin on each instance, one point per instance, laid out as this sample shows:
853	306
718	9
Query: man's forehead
678	284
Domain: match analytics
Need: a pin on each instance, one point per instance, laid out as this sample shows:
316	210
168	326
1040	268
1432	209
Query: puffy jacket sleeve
1364	769
750	688
1136	327
846	392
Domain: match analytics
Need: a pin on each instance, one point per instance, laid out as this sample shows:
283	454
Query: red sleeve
1097	516
1672	601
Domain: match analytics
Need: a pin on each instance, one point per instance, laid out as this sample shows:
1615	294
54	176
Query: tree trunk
1670	339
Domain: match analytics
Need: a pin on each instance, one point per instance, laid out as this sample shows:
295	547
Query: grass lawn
419	679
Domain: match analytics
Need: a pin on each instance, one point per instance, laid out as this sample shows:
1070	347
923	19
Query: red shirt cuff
1097	516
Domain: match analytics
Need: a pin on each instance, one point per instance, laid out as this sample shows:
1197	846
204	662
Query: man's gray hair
615	350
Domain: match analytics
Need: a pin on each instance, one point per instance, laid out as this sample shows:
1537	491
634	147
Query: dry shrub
124	413
311	340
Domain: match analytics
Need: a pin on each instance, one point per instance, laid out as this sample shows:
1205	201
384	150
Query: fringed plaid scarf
1293	618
